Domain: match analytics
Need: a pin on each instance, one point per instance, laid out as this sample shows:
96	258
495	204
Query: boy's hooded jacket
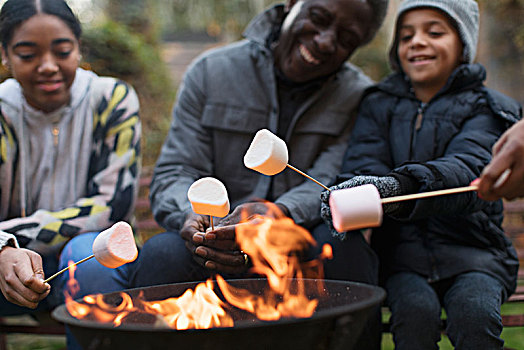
442	144
70	171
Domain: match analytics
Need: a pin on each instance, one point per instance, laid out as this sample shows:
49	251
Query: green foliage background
112	49
127	44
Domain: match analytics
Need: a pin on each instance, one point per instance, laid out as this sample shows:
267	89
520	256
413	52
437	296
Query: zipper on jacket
418	124
420	116
56	133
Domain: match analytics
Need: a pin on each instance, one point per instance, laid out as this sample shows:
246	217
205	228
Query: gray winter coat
227	95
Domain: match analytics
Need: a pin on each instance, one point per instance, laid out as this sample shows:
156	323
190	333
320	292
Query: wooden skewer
67	268
408	197
309	177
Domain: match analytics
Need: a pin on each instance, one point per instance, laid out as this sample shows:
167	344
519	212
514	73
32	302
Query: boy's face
318	36
429	48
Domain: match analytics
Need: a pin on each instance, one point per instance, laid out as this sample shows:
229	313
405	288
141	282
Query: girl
69	160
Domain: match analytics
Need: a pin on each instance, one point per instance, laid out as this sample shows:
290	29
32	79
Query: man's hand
508	153
217	249
246	211
21	277
214	249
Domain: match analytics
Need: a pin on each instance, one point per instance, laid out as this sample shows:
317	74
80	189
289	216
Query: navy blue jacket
442	144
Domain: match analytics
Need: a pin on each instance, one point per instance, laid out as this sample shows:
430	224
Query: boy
430	126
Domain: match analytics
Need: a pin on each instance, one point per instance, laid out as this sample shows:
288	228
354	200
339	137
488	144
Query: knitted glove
387	186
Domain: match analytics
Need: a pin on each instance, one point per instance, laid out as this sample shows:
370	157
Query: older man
290	75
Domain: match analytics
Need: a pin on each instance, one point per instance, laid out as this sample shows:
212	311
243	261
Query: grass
513	338
35	342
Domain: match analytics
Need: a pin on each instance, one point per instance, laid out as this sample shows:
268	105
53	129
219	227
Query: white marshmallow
355	208
267	153
208	196
115	246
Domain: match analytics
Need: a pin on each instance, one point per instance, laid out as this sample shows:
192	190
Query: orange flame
273	243
72	286
199	309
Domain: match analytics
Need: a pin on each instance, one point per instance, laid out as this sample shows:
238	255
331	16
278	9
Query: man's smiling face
318	36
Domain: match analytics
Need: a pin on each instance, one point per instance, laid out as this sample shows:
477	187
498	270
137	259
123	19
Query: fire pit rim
61	314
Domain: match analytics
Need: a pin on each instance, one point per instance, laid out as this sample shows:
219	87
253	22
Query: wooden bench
514	228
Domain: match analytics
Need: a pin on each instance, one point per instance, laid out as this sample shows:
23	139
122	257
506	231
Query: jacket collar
264	24
463	77
466	76
11	95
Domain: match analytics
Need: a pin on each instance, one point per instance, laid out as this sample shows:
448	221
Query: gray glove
387	186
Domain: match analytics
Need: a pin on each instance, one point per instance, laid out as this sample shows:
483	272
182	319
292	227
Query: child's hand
325	212
387	186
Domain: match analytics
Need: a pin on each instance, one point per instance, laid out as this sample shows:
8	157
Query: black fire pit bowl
336	324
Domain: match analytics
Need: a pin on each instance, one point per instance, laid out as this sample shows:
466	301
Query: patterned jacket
71	171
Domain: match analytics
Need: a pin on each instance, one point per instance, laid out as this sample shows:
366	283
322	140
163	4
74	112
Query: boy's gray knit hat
465	14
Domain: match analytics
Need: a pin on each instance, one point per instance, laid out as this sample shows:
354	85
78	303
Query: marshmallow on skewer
115	246
355	208
267	153
208	196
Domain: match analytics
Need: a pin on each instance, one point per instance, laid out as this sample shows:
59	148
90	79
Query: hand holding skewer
112	248
208	196
361	207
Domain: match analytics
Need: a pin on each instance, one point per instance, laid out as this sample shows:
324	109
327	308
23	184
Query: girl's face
43	56
429	48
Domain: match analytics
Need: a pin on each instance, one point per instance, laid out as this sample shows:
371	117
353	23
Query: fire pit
343	308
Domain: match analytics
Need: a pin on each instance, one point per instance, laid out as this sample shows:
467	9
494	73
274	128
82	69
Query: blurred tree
223	20
125	44
138	15
503	50
110	48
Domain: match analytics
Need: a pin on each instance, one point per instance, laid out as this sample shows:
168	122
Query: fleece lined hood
49	144
11	91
